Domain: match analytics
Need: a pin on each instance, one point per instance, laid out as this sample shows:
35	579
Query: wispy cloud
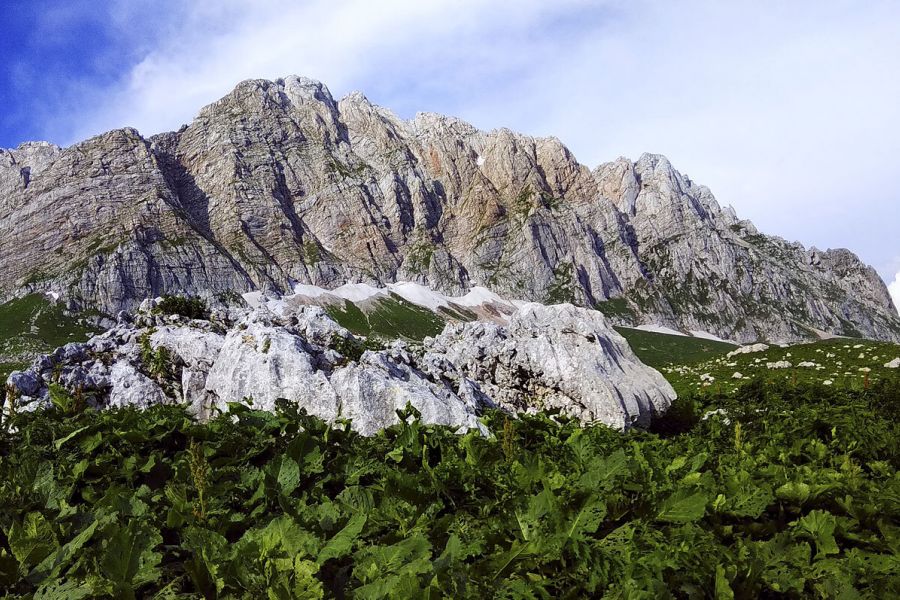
894	289
788	111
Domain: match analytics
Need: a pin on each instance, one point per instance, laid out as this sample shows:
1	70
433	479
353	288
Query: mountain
278	183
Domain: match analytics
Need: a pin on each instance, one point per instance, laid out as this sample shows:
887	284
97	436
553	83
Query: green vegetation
660	349
419	256
782	483
189	307
347	171
32	324
312	254
550	201
523	203
562	289
787	490
615	307
841	363
390	317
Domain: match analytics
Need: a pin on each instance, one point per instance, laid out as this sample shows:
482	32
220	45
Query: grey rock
129	387
278	183
557	357
547	357
263	364
373	390
26	382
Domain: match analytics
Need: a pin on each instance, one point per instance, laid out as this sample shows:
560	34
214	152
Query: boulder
556	357
750	349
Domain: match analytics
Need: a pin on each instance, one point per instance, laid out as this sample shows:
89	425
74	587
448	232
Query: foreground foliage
788	490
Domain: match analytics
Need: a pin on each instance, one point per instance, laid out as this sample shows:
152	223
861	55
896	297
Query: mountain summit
278	183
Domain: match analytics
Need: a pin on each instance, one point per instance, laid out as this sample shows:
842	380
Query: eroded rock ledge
547	357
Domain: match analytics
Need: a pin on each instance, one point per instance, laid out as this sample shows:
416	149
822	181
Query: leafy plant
190	307
802	502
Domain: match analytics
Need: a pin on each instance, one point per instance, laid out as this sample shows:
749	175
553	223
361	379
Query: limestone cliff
278	183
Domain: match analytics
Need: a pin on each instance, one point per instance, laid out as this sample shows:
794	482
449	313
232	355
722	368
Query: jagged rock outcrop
556	357
548	356
278	183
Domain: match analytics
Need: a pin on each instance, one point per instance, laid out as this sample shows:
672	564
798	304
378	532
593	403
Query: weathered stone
261	364
278	183
557	357
547	357
129	387
752	348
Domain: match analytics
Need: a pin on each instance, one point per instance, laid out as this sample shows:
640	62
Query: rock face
279	183
549	357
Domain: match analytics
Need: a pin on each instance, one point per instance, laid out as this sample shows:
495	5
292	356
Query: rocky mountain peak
277	183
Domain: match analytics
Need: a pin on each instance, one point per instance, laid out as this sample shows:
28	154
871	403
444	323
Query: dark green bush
186	306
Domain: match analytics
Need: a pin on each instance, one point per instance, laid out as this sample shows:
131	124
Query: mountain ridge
278	183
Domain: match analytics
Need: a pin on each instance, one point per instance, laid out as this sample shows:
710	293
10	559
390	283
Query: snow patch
312	291
419	294
480	295
480	161
708	336
357	292
254	299
661	329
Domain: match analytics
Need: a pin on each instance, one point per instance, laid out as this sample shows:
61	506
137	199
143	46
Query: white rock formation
556	357
751	349
547	357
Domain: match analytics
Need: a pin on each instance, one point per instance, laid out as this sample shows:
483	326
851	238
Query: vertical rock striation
278	183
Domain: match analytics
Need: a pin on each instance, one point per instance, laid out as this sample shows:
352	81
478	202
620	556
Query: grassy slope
32	324
683	360
842	362
660	349
391	317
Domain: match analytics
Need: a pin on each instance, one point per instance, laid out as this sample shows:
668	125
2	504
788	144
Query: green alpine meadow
776	489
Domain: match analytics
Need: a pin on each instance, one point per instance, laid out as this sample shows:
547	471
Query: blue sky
788	111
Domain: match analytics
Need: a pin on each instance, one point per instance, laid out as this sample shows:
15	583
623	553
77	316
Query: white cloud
894	289
786	110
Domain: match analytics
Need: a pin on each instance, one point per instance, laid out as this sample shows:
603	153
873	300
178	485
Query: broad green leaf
32	540
59	443
288	475
286	535
587	519
65	590
683	507
342	543
130	561
603	470
52	566
795	492
820	526
205	568
723	587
